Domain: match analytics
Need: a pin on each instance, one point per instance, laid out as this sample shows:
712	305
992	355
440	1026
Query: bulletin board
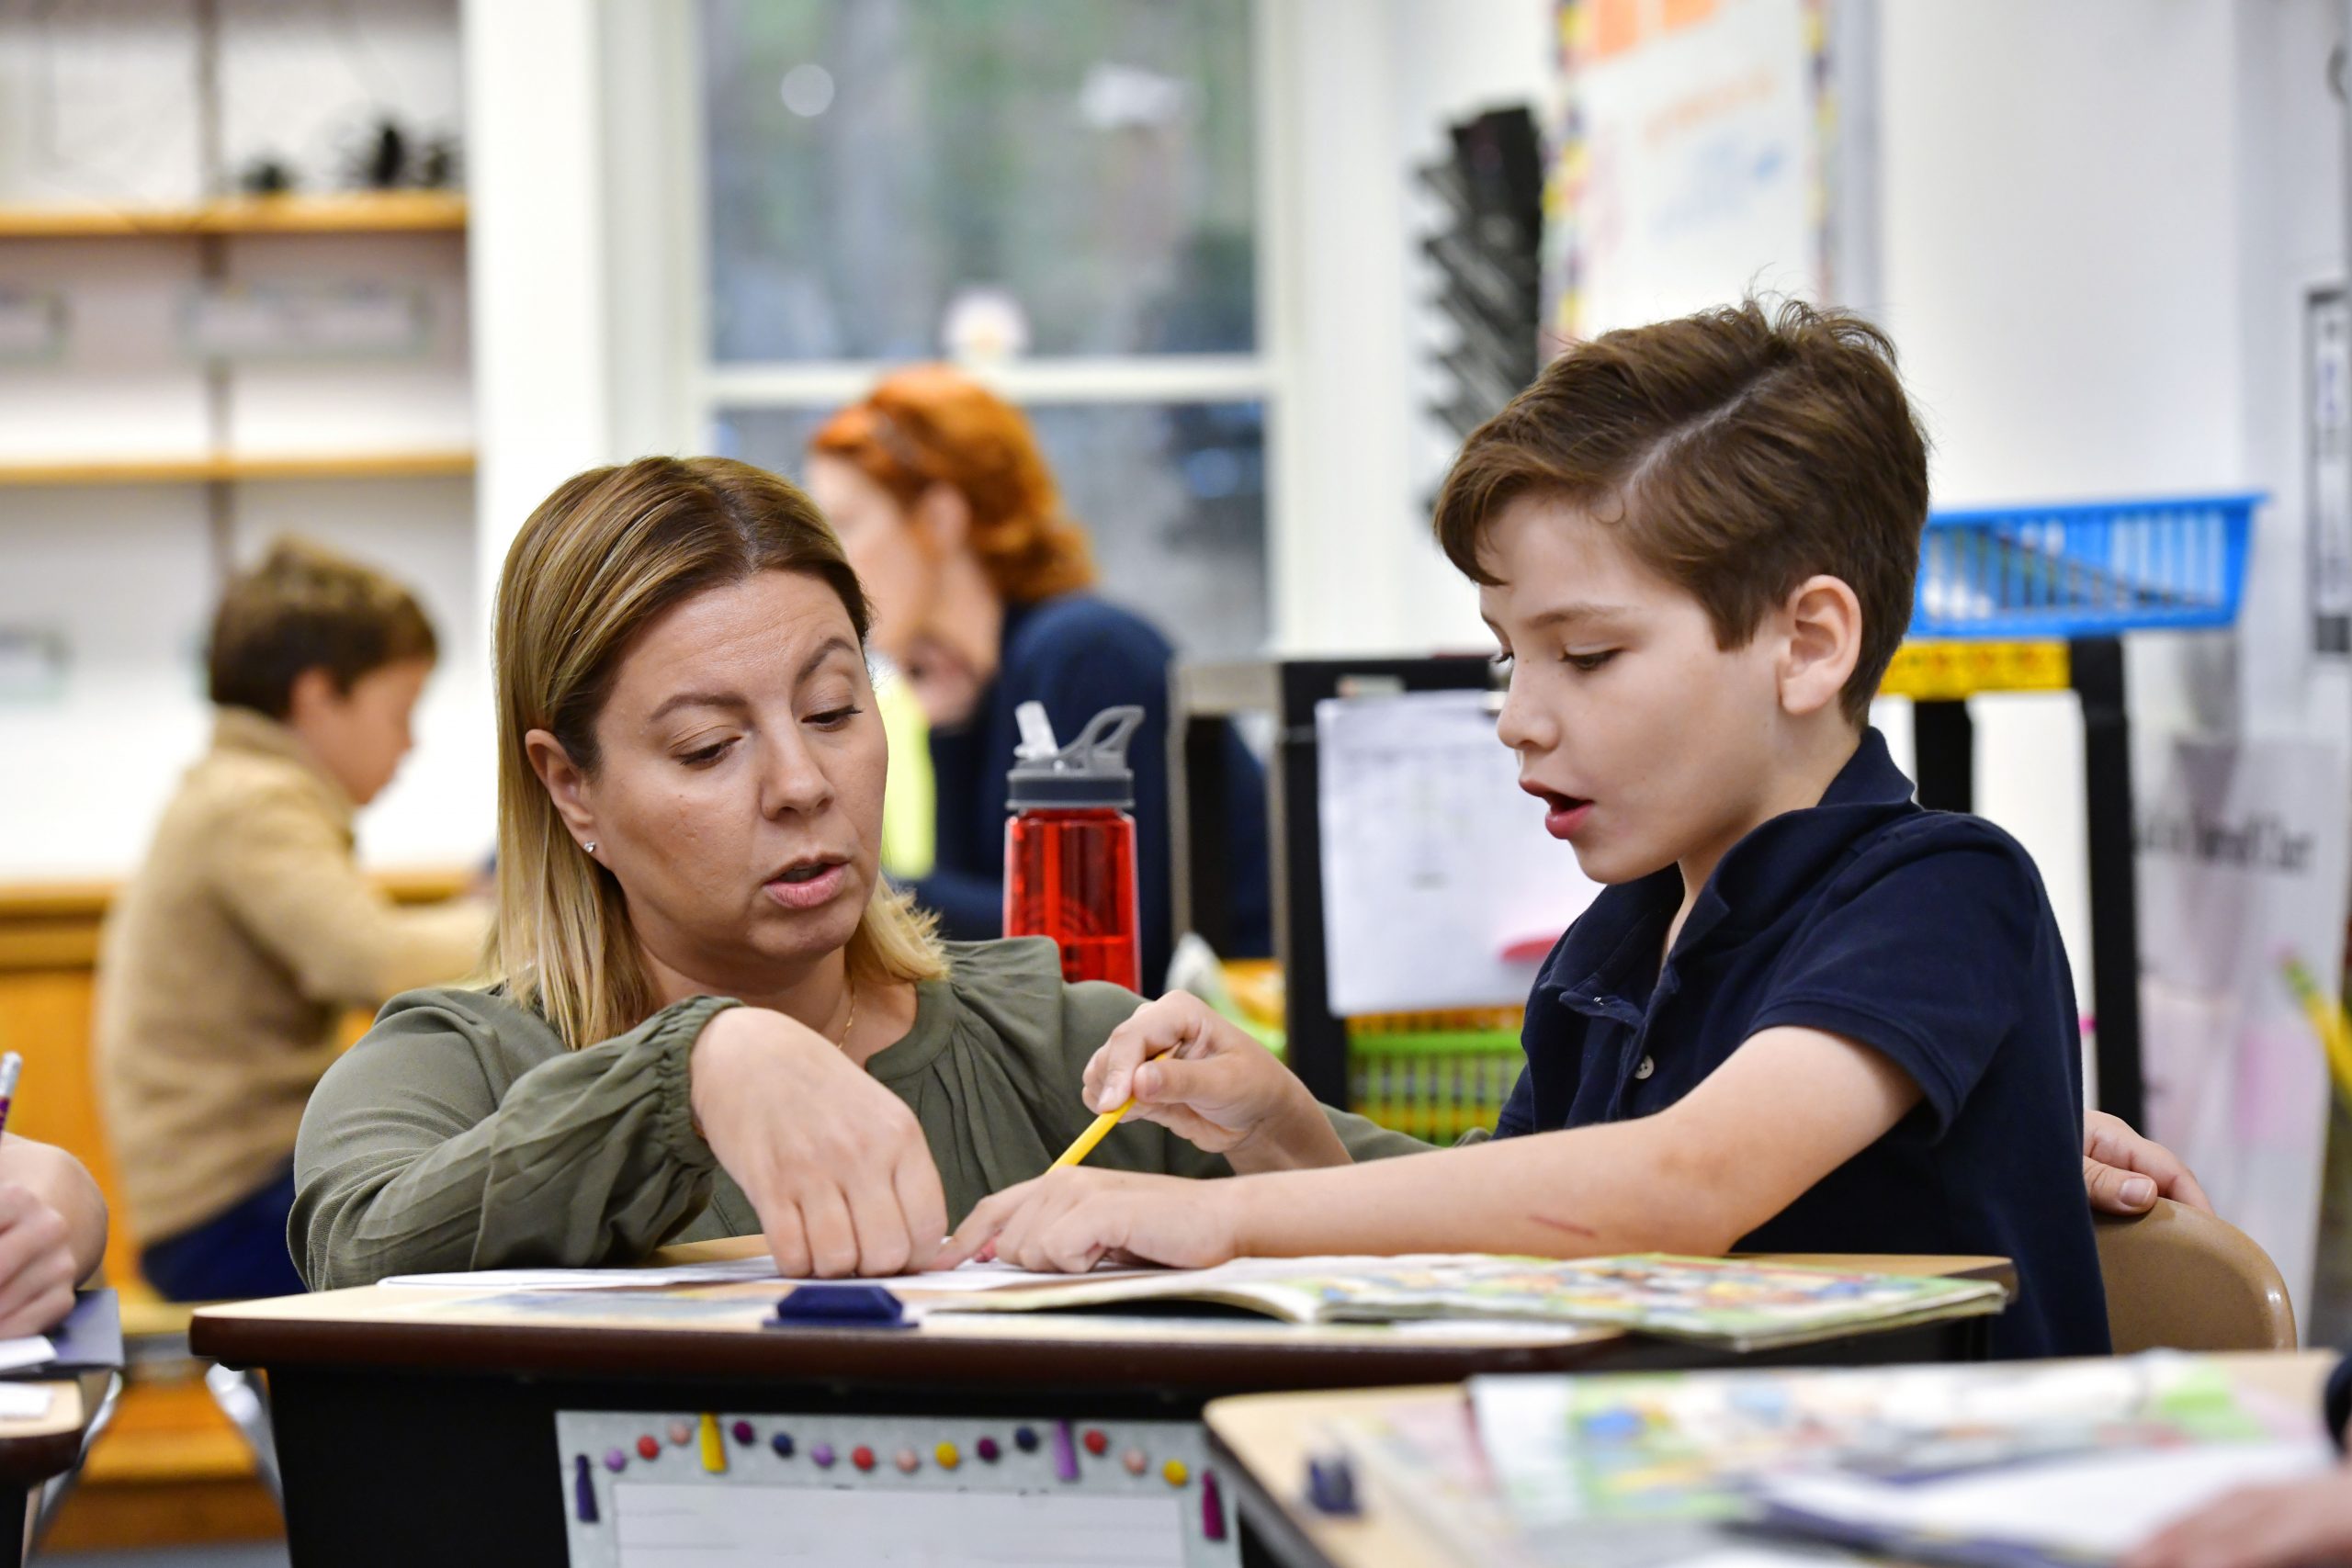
1703	149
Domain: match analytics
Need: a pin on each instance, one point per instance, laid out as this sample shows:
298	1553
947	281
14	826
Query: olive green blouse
459	1134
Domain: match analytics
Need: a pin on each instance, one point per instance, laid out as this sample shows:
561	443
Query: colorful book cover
1981	1466
1698	1446
1731	1302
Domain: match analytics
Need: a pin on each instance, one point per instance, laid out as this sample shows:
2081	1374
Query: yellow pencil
1085	1142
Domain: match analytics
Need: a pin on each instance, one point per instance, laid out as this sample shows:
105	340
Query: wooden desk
35	1448
383	1396
1263	1441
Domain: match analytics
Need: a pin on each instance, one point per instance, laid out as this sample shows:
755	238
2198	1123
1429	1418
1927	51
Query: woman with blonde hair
714	1017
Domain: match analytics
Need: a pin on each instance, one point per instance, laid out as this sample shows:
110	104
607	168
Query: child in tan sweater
250	929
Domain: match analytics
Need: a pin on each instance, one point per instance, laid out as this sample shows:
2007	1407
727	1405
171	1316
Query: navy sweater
1079	655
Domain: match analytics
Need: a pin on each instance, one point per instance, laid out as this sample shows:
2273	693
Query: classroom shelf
382	212
221	467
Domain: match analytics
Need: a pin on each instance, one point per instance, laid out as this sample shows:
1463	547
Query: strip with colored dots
948	1455
1074	1455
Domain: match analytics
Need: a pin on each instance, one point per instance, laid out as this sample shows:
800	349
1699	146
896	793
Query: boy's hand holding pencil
1187	1068
1178	1063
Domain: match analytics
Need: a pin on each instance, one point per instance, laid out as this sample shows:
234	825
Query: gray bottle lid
1092	771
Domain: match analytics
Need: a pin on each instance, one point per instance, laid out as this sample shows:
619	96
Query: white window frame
1331	367
671	257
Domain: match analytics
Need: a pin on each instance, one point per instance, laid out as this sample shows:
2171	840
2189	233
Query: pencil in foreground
1085	1142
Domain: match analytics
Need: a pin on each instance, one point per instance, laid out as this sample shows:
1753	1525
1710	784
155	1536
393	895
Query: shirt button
1648	1066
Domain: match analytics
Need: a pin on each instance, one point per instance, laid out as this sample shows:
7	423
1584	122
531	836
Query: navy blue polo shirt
1925	935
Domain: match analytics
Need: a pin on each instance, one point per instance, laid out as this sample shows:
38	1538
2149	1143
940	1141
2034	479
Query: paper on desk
33	1351
1433	860
2097	1505
721	1271
25	1401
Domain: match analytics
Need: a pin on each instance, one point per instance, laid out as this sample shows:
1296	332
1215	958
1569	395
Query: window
1064	189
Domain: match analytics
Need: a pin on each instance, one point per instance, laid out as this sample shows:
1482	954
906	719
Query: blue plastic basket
2084	569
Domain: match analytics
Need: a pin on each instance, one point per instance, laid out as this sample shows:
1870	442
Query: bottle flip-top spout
1091	770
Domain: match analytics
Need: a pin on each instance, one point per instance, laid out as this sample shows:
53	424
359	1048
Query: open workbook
1736	1302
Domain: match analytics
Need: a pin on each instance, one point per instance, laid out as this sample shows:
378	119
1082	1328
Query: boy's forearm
58	1179
1790	1106
1623	1187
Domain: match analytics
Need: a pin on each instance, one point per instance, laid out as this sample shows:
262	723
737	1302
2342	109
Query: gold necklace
849	1022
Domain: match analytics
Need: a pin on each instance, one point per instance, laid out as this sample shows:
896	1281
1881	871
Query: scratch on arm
1568	1227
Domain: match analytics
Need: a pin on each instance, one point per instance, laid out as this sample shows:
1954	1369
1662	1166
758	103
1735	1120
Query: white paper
722	1272
2097	1505
1434	860
25	1401
674	1525
1479	1330
31	1352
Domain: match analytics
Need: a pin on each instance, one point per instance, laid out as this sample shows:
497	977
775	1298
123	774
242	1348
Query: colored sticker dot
681	1432
1136	1460
822	1456
1025	1439
743	1433
782	1444
1097	1442
647	1448
1175	1472
947	1457
862	1456
615	1460
907	1462
990	1452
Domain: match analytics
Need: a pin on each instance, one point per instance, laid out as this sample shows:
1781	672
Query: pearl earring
590	846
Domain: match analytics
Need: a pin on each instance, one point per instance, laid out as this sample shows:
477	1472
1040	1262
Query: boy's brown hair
306	607
1737	453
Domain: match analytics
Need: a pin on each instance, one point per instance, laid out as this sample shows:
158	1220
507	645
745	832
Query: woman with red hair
980	585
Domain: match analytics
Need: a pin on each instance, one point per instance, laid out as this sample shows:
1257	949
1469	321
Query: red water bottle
1070	851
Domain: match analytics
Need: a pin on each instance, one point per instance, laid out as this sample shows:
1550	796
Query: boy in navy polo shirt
1806	1014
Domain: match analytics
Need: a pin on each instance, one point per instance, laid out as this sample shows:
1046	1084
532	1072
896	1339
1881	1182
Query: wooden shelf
410	211
229	467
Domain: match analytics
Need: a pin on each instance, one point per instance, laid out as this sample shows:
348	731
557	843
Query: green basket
1435	1085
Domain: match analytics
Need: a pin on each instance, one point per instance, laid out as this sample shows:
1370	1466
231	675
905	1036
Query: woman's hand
1067	1221
835	1165
2125	1173
1191	1070
37	1266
